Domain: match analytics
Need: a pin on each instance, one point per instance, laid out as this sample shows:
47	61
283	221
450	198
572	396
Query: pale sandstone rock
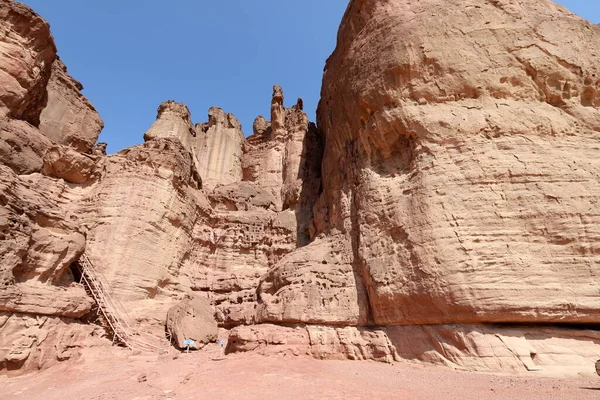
173	120
192	319
548	351
69	118
219	148
139	219
175	239
216	146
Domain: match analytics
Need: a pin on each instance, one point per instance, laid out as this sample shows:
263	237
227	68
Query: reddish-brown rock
460	162
450	185
192	319
70	165
69	118
27	55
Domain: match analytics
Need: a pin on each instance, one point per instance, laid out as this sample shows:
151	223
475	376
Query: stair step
106	309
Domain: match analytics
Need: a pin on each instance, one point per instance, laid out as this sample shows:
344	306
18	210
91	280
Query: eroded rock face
219	145
223	234
216	146
70	165
460	159
454	188
40	232
39	242
40	301
69	118
22	146
548	351
458	176
33	342
27	55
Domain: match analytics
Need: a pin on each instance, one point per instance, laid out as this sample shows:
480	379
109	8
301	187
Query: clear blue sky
131	55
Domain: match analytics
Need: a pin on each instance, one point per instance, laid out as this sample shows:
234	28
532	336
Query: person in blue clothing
187	343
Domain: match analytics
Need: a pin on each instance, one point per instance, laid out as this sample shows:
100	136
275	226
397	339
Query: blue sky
131	55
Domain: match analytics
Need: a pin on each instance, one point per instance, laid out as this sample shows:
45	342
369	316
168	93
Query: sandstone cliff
176	232
447	194
40	232
468	131
459	183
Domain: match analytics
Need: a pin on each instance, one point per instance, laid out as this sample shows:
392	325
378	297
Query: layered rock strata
459	183
447	193
178	232
463	182
40	233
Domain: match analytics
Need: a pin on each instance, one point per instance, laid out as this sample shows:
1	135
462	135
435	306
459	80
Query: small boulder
598	367
192	319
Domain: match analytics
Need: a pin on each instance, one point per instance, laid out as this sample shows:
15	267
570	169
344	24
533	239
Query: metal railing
117	319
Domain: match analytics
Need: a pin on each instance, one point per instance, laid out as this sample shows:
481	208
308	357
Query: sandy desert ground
116	374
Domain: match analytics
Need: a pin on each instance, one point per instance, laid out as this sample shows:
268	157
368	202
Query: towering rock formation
188	220
40	233
69	118
448	192
220	148
467	132
459	181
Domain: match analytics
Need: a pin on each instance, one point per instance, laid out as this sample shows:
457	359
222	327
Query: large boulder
192	319
65	163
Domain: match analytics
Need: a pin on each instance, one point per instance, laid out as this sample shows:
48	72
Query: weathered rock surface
27	55
39	242
139	220
40	233
314	284
69	118
70	165
33	342
549	351
462	180
192	319
22	146
459	178
223	234
39	300
451	185
219	146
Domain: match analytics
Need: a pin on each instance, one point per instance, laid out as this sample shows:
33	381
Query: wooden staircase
114	314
